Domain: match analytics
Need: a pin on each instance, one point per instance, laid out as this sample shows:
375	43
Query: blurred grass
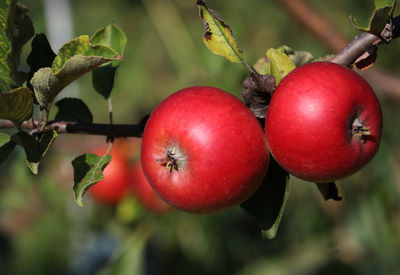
165	53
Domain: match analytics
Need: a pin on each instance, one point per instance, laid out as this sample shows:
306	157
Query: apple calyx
359	130
173	160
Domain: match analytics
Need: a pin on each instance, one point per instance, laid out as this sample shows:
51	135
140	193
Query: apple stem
359	130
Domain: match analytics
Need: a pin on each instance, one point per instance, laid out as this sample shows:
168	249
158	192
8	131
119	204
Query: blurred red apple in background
116	179
145	193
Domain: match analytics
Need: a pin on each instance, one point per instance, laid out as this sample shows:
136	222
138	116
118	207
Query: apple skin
116	182
145	193
310	118
203	151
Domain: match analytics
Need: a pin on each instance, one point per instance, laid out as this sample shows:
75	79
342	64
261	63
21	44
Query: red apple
145	193
323	123
116	180
203	150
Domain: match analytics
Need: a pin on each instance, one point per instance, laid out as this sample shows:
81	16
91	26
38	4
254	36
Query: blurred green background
43	231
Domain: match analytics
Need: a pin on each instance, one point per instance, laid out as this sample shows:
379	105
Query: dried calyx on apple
359	130
174	159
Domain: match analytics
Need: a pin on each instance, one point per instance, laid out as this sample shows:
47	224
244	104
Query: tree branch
66	127
355	48
111	130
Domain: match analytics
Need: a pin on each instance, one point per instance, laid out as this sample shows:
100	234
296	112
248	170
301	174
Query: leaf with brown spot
218	36
281	64
88	169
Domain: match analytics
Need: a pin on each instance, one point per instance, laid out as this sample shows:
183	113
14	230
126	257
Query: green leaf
34	150
262	66
103	76
280	64
74	59
88	170
111	36
301	57
298	57
382	12
41	55
46	141
73	109
6	146
16	29
16	105
103	79
268	203
218	36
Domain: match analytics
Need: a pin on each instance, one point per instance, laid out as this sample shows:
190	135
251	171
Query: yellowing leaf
74	59
16	105
281	64
262	66
218	36
16	29
82	45
34	150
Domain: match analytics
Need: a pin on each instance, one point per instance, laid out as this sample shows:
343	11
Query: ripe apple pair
203	150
